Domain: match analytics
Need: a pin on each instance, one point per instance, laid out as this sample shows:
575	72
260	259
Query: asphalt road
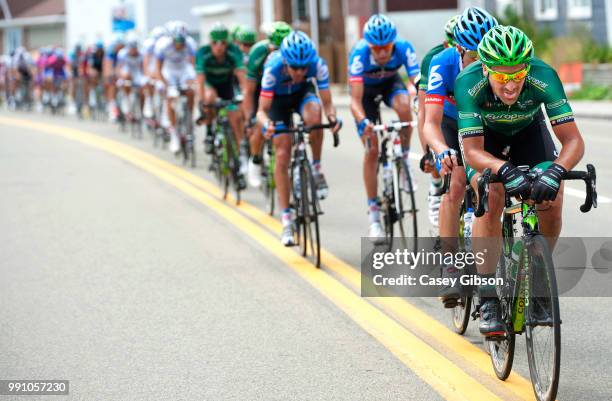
118	280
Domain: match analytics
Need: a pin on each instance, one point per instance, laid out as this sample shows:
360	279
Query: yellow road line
439	372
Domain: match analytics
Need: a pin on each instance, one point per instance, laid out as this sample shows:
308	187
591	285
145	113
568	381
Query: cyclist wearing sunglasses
427	165
217	64
501	126
255	67
440	129
286	86
374	64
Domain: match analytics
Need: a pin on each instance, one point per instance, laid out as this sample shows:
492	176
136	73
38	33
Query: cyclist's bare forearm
432	128
248	98
264	108
572	145
421	120
328	105
356	101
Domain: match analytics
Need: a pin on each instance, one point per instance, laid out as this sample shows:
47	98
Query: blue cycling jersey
443	70
276	79
363	68
111	53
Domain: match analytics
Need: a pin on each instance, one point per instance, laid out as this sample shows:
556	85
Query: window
516	5
546	10
300	10
579	9
324	9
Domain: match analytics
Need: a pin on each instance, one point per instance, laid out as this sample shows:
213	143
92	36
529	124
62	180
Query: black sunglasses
298	67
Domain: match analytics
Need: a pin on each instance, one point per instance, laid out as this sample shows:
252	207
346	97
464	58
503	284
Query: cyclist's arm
328	105
572	145
421	118
248	104
265	104
160	65
201	78
356	101
432	129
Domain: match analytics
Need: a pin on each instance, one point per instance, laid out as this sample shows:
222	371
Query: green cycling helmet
219	33
450	27
278	31
505	45
246	35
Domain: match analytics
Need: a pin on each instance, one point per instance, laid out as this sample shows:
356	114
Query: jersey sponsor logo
506	117
435	79
537	83
565	118
322	71
356	66
434	99
268	80
465	115
478	87
556	104
471	131
411	57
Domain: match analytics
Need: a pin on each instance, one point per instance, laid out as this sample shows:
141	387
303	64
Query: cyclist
255	66
217	63
427	165
109	68
245	39
440	128
286	86
55	73
78	67
130	70
22	70
174	55
95	68
374	65
501	126
149	63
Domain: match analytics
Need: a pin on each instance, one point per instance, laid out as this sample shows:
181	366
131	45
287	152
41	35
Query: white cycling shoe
254	174
287	237
175	143
376	233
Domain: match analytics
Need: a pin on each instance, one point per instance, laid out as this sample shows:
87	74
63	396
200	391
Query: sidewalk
582	108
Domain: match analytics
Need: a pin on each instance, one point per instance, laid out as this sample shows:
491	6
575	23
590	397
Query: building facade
32	24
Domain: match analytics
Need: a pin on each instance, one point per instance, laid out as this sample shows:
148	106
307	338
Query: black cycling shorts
385	91
283	106
225	90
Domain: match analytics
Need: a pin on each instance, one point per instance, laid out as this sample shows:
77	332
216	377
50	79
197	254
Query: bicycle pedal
450	303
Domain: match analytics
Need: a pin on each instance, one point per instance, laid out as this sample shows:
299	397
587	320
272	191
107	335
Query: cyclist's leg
398	98
256	141
370	162
451	201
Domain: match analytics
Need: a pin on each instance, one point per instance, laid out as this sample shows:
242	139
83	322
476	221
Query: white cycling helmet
158	32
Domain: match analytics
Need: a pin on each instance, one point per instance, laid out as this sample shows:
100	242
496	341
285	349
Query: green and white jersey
218	73
257	58
478	107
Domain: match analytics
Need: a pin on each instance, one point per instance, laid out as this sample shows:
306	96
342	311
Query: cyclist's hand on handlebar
515	181
445	161
546	187
337	122
426	163
365	130
269	129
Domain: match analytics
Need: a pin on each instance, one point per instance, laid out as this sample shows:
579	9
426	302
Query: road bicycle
304	199
529	297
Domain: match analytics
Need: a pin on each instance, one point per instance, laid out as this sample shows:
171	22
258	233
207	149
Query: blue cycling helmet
473	24
379	30
297	49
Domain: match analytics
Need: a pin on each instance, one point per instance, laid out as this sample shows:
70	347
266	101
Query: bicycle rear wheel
501	352
543	336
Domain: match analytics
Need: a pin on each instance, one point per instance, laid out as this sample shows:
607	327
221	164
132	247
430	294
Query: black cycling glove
515	181
547	185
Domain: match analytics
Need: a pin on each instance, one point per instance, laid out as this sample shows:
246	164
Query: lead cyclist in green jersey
255	67
501	126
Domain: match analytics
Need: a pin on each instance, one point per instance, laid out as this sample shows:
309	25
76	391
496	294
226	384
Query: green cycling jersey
478	107
425	66
257	58
218	72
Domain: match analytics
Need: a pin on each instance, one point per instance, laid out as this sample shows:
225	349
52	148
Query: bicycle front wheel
543	329
405	205
310	223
